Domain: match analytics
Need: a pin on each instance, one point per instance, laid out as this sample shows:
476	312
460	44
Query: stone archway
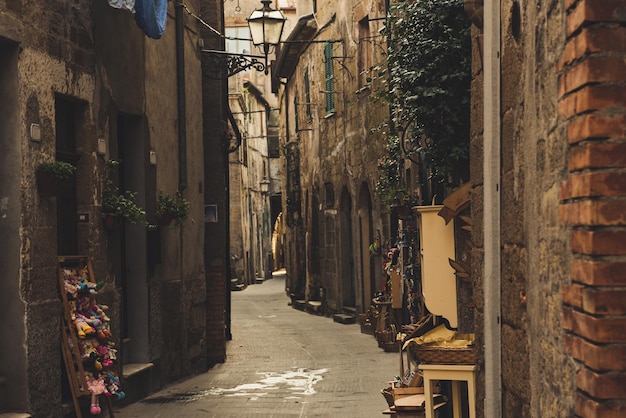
365	237
346	256
313	251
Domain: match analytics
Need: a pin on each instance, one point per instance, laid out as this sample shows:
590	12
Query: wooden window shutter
330	78
307	94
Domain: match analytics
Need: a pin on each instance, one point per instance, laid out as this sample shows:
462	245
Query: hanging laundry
150	16
123	4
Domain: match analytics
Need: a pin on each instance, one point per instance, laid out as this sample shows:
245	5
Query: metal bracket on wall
222	64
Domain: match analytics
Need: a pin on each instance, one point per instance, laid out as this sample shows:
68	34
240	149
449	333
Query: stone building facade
82	83
330	142
547	169
547	192
255	186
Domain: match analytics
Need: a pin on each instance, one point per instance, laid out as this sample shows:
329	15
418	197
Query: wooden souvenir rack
69	337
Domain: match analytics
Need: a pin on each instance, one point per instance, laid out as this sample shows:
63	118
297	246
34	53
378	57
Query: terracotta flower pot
166	218
47	183
112	222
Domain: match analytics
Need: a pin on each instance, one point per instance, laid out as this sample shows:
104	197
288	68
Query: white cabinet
436	249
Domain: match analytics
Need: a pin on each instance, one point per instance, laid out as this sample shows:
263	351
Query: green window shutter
329	73
307	94
296	112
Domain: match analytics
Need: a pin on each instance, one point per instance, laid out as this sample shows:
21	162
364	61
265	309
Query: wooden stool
456	373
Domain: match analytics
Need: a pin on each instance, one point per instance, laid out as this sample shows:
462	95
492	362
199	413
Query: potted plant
172	208
117	207
50	174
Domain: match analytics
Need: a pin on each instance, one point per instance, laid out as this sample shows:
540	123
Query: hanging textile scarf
123	4
150	16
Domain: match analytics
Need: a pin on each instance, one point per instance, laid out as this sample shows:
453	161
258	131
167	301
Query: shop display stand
69	338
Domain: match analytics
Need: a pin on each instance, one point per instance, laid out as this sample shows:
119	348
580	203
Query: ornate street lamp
266	28
265	185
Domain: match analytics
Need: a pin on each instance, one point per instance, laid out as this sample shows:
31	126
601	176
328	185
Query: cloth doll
96	387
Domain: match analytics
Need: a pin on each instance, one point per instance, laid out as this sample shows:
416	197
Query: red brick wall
592	88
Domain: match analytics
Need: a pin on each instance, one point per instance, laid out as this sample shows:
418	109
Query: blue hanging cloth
151	16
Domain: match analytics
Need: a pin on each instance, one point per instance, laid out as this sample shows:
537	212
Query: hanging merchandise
88	349
150	16
123	4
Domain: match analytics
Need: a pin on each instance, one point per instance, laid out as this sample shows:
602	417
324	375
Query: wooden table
456	373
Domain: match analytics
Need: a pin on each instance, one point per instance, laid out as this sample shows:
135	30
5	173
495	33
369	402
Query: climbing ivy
388	185
429	59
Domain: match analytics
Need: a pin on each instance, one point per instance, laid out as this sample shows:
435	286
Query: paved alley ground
282	362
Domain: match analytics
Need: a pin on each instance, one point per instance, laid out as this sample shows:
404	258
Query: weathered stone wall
537	376
55	56
339	151
477	201
215	191
70	50
592	90
538	266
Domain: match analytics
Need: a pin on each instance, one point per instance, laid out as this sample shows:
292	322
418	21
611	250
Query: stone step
344	318
299	304
314	306
139	380
350	310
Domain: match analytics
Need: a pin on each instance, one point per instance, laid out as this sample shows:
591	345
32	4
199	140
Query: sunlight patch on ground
297	382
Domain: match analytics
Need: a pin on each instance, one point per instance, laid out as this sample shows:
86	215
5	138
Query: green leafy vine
429	59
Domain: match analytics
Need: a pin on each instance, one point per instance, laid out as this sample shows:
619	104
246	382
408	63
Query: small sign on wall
210	213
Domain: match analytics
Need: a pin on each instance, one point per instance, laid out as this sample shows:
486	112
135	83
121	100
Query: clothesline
150	16
199	19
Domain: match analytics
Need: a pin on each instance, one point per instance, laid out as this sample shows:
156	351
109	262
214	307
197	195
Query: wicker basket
432	354
391	347
388	394
386	336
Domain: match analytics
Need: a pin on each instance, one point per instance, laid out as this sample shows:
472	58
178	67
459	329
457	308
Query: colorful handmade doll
96	387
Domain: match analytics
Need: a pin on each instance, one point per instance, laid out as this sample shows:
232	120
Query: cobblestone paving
281	363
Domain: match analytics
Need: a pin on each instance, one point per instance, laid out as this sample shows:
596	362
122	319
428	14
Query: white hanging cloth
123	4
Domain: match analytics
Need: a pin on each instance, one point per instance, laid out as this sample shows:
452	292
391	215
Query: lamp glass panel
266	27
274	27
256	23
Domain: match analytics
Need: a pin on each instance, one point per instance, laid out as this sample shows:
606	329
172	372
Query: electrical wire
199	19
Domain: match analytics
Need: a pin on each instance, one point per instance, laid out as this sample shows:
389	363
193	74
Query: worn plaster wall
138	82
178	294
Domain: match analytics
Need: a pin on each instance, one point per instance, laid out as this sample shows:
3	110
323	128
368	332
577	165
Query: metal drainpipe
287	136
181	98
491	156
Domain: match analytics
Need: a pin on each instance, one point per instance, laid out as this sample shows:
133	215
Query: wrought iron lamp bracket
221	64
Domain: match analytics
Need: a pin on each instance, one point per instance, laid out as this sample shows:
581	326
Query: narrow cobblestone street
282	362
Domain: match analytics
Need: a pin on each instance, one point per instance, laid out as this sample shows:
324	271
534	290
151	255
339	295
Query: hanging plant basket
47	183
50	175
172	208
166	218
112	222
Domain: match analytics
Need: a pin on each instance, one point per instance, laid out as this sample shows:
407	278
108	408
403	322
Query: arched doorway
313	251
346	256
366	236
